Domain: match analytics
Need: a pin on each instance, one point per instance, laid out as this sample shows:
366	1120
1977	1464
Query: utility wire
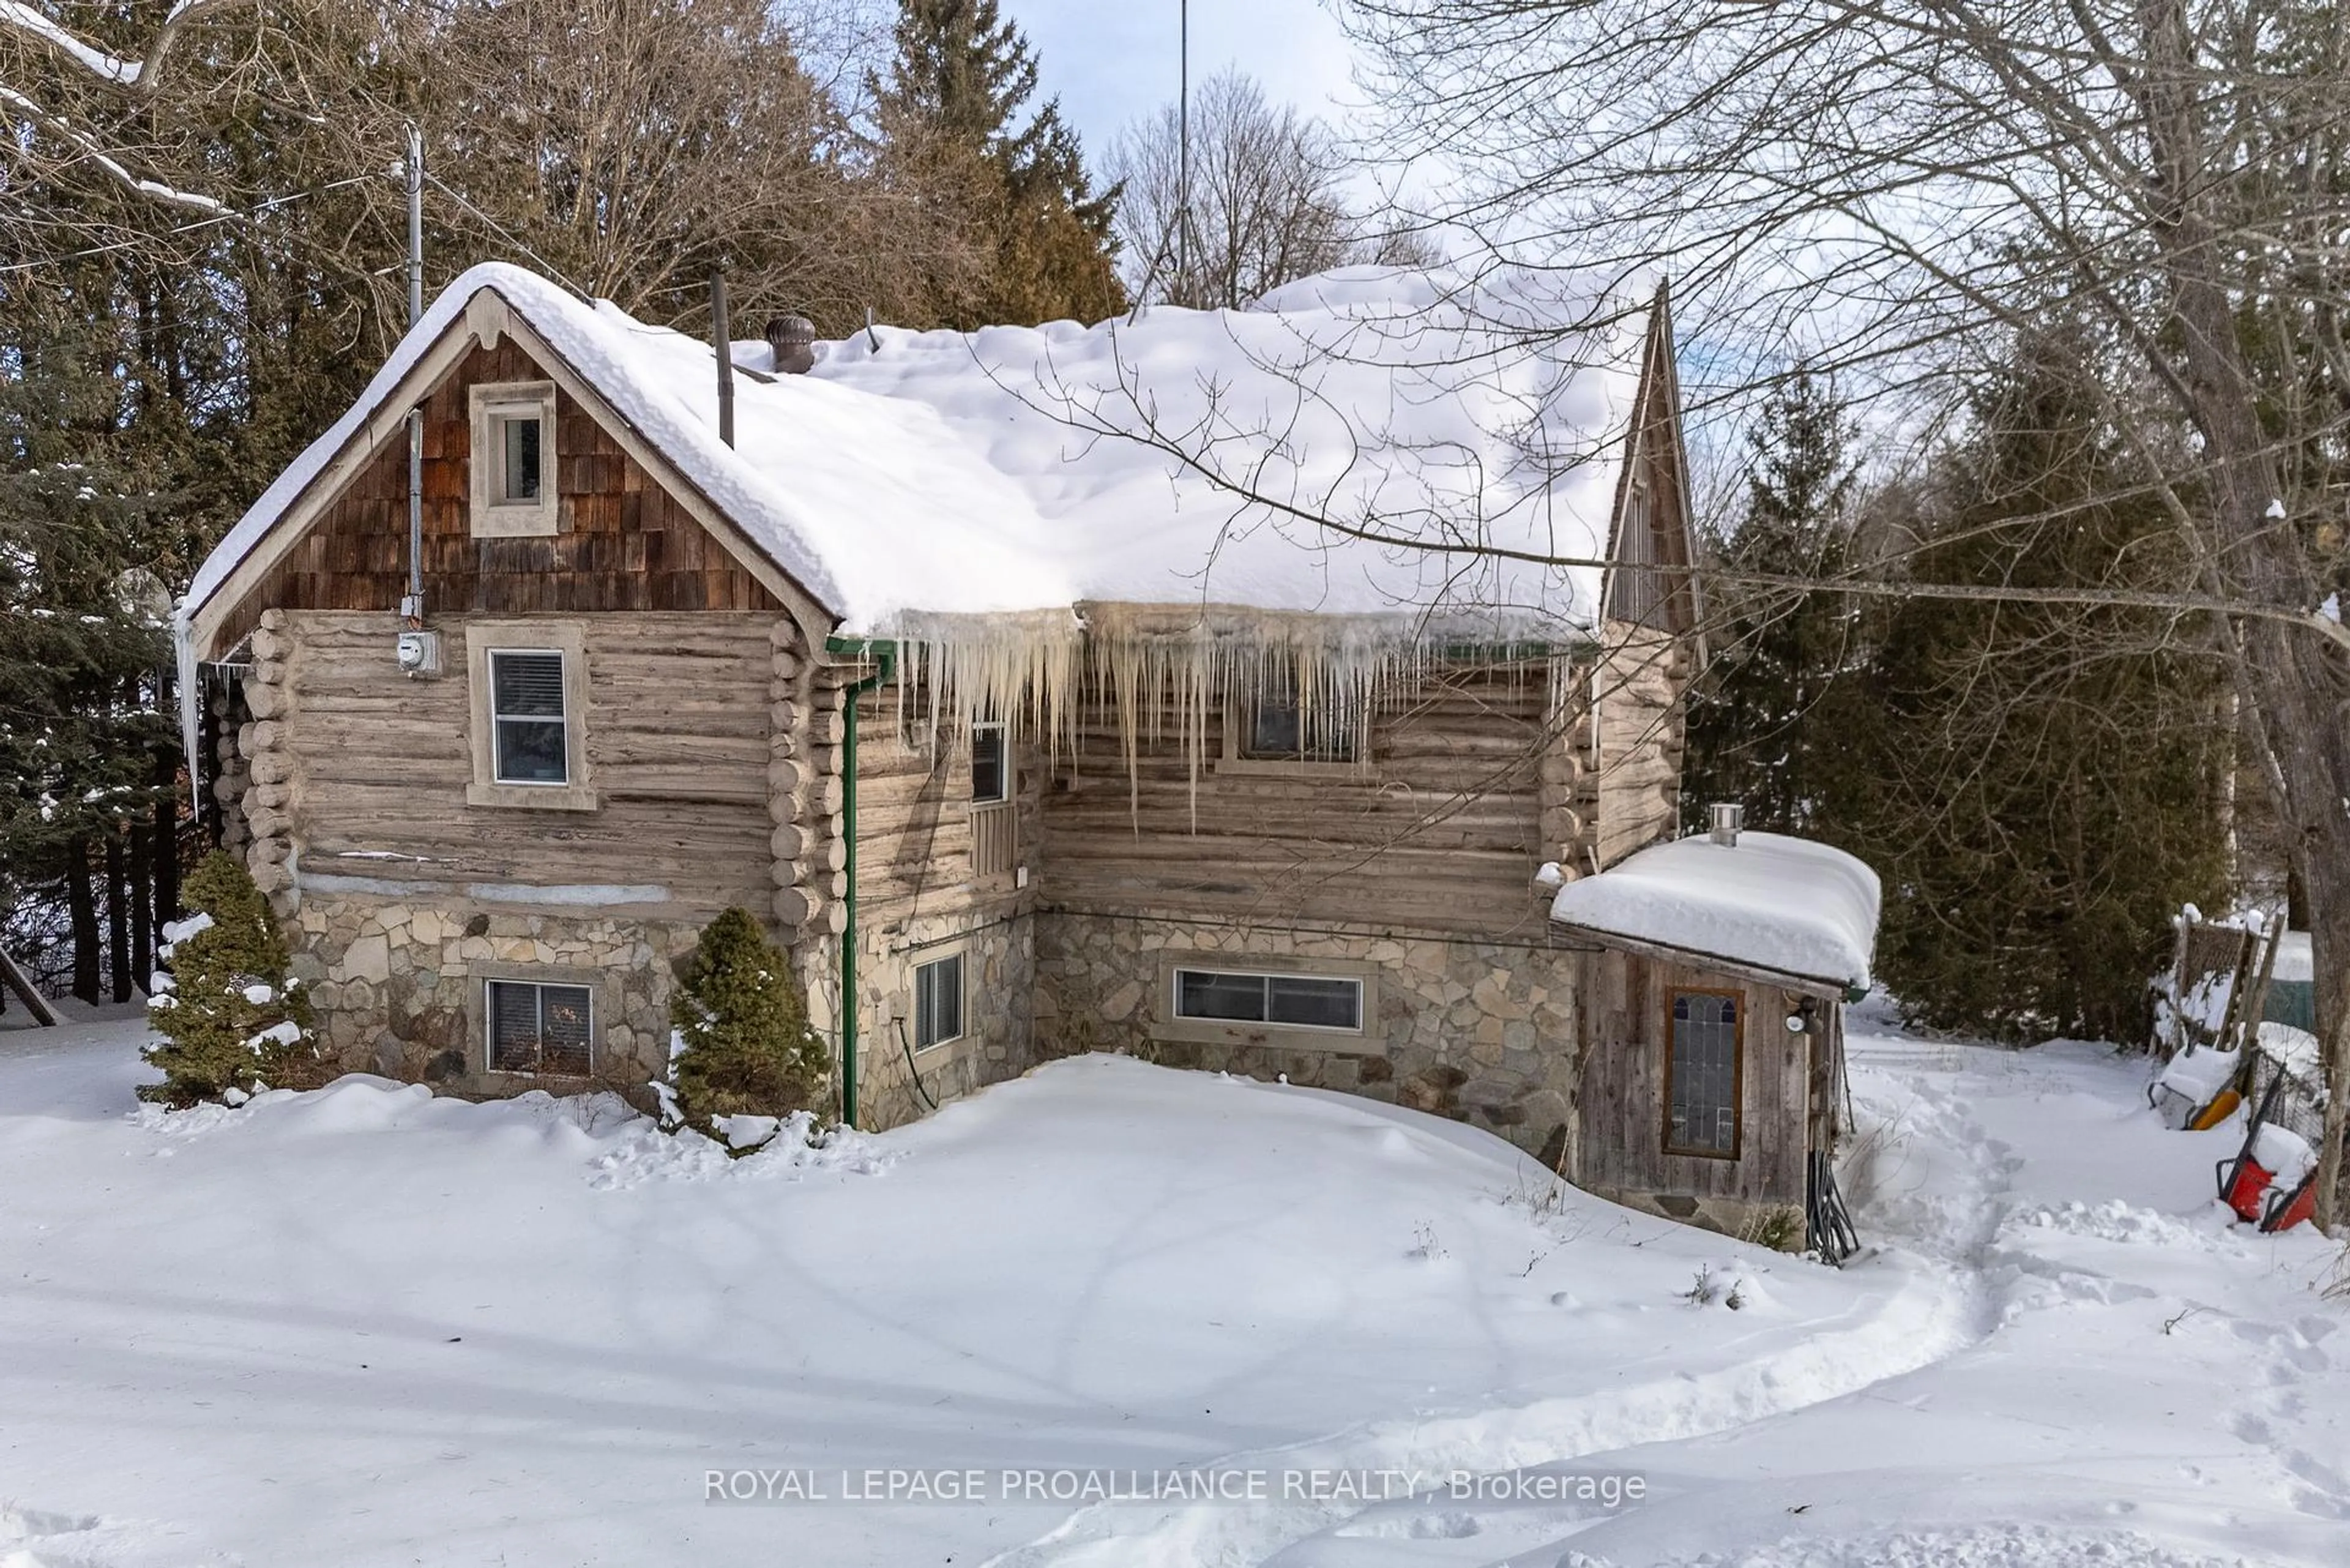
214	222
503	233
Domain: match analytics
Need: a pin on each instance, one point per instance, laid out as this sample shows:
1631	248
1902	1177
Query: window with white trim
1287	1001
938	1002
530	711
529	719
539	1028
513	488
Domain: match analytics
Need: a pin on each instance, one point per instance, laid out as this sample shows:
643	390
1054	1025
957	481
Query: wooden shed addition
1715	974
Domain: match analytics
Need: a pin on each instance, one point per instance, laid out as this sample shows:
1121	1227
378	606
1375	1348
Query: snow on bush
231	1019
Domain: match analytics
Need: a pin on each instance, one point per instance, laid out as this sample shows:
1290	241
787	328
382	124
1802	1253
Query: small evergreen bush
742	1026
233	1020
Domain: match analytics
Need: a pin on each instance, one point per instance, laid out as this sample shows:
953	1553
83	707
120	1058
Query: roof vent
1725	819
793	338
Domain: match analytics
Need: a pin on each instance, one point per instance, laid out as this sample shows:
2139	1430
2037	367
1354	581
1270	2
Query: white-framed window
513	472
529	726
529	691
534	1026
938	1002
1333	1002
991	764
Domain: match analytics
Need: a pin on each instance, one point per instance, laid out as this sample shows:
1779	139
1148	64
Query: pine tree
232	1018
1765	726
951	106
2047	781
742	1020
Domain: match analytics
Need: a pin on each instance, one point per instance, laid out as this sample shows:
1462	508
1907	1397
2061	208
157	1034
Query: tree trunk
81	909
118	916
164	883
142	905
2298	682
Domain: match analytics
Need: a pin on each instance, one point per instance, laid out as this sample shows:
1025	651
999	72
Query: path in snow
364	1327
2052	1408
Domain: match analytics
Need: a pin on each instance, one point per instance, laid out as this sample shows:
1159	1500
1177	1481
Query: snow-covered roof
1148	460
1770	901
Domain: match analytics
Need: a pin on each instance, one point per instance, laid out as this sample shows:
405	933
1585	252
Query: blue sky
1111	60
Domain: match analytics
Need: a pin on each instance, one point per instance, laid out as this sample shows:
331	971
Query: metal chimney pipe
722	340
1725	818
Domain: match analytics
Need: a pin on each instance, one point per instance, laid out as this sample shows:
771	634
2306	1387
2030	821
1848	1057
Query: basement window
514	489
938	1002
537	1028
1285	1000
1702	1074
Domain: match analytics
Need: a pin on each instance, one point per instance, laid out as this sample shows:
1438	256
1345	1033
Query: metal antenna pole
412	610
1183	157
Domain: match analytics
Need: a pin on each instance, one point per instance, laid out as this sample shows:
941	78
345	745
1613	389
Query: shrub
231	1019
742	1026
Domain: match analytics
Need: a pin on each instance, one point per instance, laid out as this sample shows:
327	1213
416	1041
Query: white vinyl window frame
991	734
496	512
1231	973
566	639
936	979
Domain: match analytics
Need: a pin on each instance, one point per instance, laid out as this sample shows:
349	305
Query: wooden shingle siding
1438	833
623	543
677	745
1620	1107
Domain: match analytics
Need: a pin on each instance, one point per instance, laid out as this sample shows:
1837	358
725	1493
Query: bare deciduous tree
1268	202
1902	181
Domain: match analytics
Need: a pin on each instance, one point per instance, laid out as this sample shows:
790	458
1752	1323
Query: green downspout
884	652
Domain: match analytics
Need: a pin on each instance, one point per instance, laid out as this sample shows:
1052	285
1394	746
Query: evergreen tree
233	1020
2046	781
1766	724
85	746
742	1020
952	107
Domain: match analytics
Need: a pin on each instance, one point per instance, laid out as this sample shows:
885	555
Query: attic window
514	451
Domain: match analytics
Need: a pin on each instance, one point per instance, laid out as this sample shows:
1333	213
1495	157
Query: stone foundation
397	986
1480	1032
999	988
1779	1225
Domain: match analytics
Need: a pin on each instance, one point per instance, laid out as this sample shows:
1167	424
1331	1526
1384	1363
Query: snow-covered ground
363	1326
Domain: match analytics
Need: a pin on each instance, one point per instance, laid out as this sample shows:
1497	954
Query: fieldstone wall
1476	1031
397	986
999	992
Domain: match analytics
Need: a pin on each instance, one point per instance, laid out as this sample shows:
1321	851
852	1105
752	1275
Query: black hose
916	1073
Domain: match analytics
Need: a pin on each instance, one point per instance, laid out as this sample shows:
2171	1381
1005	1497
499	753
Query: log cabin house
1208	686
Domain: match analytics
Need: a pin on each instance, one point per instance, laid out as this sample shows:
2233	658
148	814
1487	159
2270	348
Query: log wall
1641	678
1440	830
374	766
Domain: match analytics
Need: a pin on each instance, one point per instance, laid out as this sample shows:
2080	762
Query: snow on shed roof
1771	902
952	475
